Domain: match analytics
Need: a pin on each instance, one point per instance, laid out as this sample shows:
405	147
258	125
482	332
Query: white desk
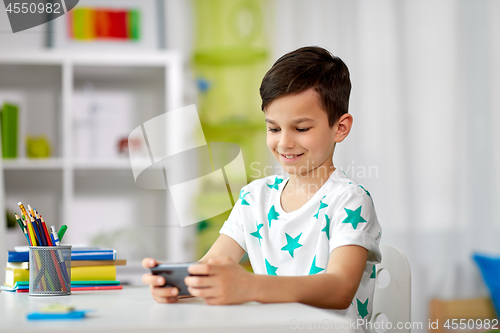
134	310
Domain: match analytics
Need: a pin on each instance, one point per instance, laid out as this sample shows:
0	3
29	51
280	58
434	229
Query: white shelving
76	191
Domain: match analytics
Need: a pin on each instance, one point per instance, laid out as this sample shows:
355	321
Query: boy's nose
286	141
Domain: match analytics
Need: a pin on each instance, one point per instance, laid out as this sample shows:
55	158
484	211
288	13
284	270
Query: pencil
29	225
35	228
45	230
38	225
23	228
31	232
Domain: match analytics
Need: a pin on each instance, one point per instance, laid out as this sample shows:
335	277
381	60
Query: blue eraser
56	316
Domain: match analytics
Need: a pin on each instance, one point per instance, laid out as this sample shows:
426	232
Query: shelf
87	184
50	57
123	164
33	164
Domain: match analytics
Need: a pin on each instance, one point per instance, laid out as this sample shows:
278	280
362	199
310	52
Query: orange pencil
31	231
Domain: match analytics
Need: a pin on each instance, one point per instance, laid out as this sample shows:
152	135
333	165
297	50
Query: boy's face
298	133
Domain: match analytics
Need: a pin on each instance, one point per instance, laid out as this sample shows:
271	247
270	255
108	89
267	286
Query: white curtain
426	134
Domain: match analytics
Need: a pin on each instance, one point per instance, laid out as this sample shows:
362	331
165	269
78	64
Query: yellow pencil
30	231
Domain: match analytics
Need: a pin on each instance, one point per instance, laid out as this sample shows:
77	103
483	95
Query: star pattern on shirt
315	269
272	215
257	233
353	217
292	244
374	273
321	205
242	197
326	229
271	270
367	193
362	308
275	186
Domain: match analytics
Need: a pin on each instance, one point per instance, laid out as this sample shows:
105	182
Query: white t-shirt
298	243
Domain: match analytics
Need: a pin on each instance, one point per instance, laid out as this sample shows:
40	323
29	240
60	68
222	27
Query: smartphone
174	275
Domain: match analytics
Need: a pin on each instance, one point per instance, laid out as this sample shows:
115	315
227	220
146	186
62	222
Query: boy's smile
299	136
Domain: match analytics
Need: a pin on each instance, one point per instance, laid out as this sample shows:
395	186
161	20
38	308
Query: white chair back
392	299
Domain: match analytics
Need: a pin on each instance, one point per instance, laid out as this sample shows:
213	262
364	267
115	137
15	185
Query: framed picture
110	24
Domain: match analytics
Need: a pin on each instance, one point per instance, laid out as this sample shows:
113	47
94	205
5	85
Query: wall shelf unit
81	102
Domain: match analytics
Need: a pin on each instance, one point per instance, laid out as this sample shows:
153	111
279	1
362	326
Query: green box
9	122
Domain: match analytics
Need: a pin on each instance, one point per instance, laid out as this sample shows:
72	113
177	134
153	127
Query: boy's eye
273	130
302	129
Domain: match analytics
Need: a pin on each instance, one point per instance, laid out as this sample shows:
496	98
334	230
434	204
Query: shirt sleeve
233	227
353	221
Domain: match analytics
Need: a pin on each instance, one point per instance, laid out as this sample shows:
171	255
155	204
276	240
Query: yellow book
91	273
13	275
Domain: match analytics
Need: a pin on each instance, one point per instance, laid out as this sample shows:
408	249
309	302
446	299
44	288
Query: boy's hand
226	283
160	294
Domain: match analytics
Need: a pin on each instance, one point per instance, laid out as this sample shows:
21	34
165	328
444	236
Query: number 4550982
471	324
27	7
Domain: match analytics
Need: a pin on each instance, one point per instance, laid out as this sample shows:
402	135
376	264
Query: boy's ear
343	127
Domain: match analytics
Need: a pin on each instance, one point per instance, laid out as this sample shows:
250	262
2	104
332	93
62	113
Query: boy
312	237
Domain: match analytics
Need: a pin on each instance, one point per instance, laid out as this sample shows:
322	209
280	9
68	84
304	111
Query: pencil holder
50	270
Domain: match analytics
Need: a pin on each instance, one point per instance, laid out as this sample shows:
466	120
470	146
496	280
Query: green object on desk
61	232
9	123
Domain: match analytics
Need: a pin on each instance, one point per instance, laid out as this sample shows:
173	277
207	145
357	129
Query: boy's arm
333	290
229	283
224	246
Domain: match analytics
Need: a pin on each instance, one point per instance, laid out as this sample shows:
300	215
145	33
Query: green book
9	125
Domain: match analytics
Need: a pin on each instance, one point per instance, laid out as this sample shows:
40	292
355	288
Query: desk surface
133	309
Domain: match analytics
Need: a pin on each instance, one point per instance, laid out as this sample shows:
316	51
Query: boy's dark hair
310	67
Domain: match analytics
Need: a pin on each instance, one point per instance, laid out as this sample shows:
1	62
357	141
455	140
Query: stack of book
92	268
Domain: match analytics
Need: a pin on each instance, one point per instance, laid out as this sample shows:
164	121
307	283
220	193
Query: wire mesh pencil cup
50	270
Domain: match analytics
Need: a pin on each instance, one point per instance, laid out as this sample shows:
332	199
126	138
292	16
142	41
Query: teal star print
362	308
374	273
271	270
321	205
315	269
272	215
367	193
257	233
242	197
354	217
292	244
326	229
277	181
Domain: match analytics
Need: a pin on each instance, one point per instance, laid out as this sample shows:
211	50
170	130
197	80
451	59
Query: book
93	273
76	263
82	288
24	285
9	125
95	282
84	273
77	284
82	263
13	275
104	254
18	265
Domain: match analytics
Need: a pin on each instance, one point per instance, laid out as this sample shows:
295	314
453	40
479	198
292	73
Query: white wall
30	39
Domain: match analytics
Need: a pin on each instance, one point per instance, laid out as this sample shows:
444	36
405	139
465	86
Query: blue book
94	254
